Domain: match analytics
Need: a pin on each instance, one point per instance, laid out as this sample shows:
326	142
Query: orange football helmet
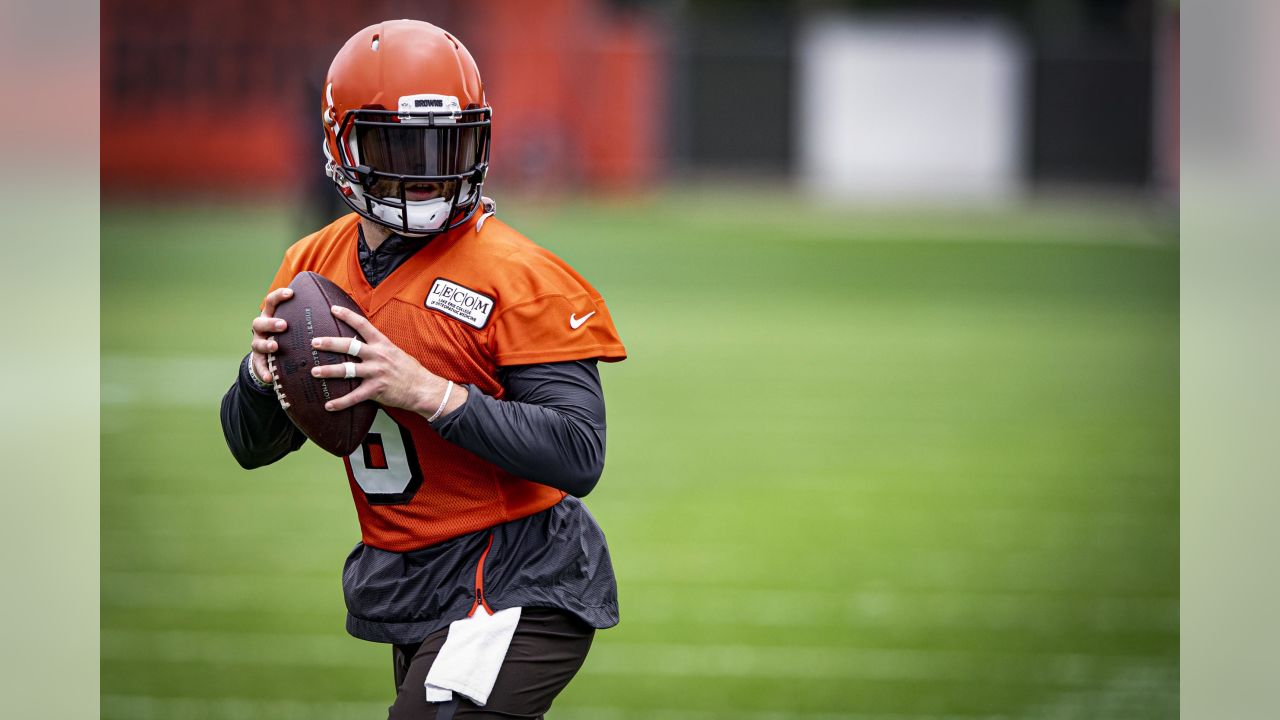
406	127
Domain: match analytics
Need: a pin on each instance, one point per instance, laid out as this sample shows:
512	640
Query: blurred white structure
910	108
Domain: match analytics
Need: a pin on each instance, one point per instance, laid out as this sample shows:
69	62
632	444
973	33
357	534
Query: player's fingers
337	370
341	345
266	346
274	298
359	322
266	325
360	394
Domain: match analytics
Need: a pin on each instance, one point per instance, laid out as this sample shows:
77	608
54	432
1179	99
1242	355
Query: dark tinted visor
413	149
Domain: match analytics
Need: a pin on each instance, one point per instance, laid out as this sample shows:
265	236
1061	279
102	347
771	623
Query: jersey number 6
385	466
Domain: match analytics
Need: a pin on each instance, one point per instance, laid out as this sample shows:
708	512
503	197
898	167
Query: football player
480	349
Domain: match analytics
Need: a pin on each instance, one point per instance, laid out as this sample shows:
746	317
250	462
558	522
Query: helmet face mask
417	167
413	171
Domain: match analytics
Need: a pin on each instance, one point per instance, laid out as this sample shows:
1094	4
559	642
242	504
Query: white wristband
253	374
448	390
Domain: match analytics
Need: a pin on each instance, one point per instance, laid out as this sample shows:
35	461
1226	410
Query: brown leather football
303	396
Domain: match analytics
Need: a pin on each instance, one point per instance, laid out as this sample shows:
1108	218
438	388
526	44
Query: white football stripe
146	707
166	381
674	660
659	604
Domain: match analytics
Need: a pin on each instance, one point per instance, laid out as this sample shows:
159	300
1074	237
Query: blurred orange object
218	100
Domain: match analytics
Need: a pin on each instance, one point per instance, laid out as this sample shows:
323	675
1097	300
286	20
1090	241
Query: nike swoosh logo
575	322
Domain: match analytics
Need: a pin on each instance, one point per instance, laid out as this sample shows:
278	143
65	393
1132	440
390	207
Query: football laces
271	365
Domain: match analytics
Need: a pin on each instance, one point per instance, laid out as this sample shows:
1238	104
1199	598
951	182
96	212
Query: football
302	396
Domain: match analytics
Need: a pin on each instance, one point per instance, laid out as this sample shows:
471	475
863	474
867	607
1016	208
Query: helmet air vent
376	42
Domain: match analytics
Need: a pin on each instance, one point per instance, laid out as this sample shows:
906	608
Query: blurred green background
861	465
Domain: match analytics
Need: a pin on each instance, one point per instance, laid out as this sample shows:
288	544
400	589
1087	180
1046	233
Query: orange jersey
469	302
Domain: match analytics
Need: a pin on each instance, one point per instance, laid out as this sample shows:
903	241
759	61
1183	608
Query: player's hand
264	326
389	375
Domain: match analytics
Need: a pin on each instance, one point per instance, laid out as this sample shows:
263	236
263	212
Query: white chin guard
424	215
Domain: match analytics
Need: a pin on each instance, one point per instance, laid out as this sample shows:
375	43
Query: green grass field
860	466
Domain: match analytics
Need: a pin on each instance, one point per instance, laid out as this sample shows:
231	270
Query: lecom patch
459	302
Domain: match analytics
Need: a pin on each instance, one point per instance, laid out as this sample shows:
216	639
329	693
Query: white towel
472	655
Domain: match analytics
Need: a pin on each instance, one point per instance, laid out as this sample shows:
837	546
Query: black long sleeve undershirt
256	428
550	429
